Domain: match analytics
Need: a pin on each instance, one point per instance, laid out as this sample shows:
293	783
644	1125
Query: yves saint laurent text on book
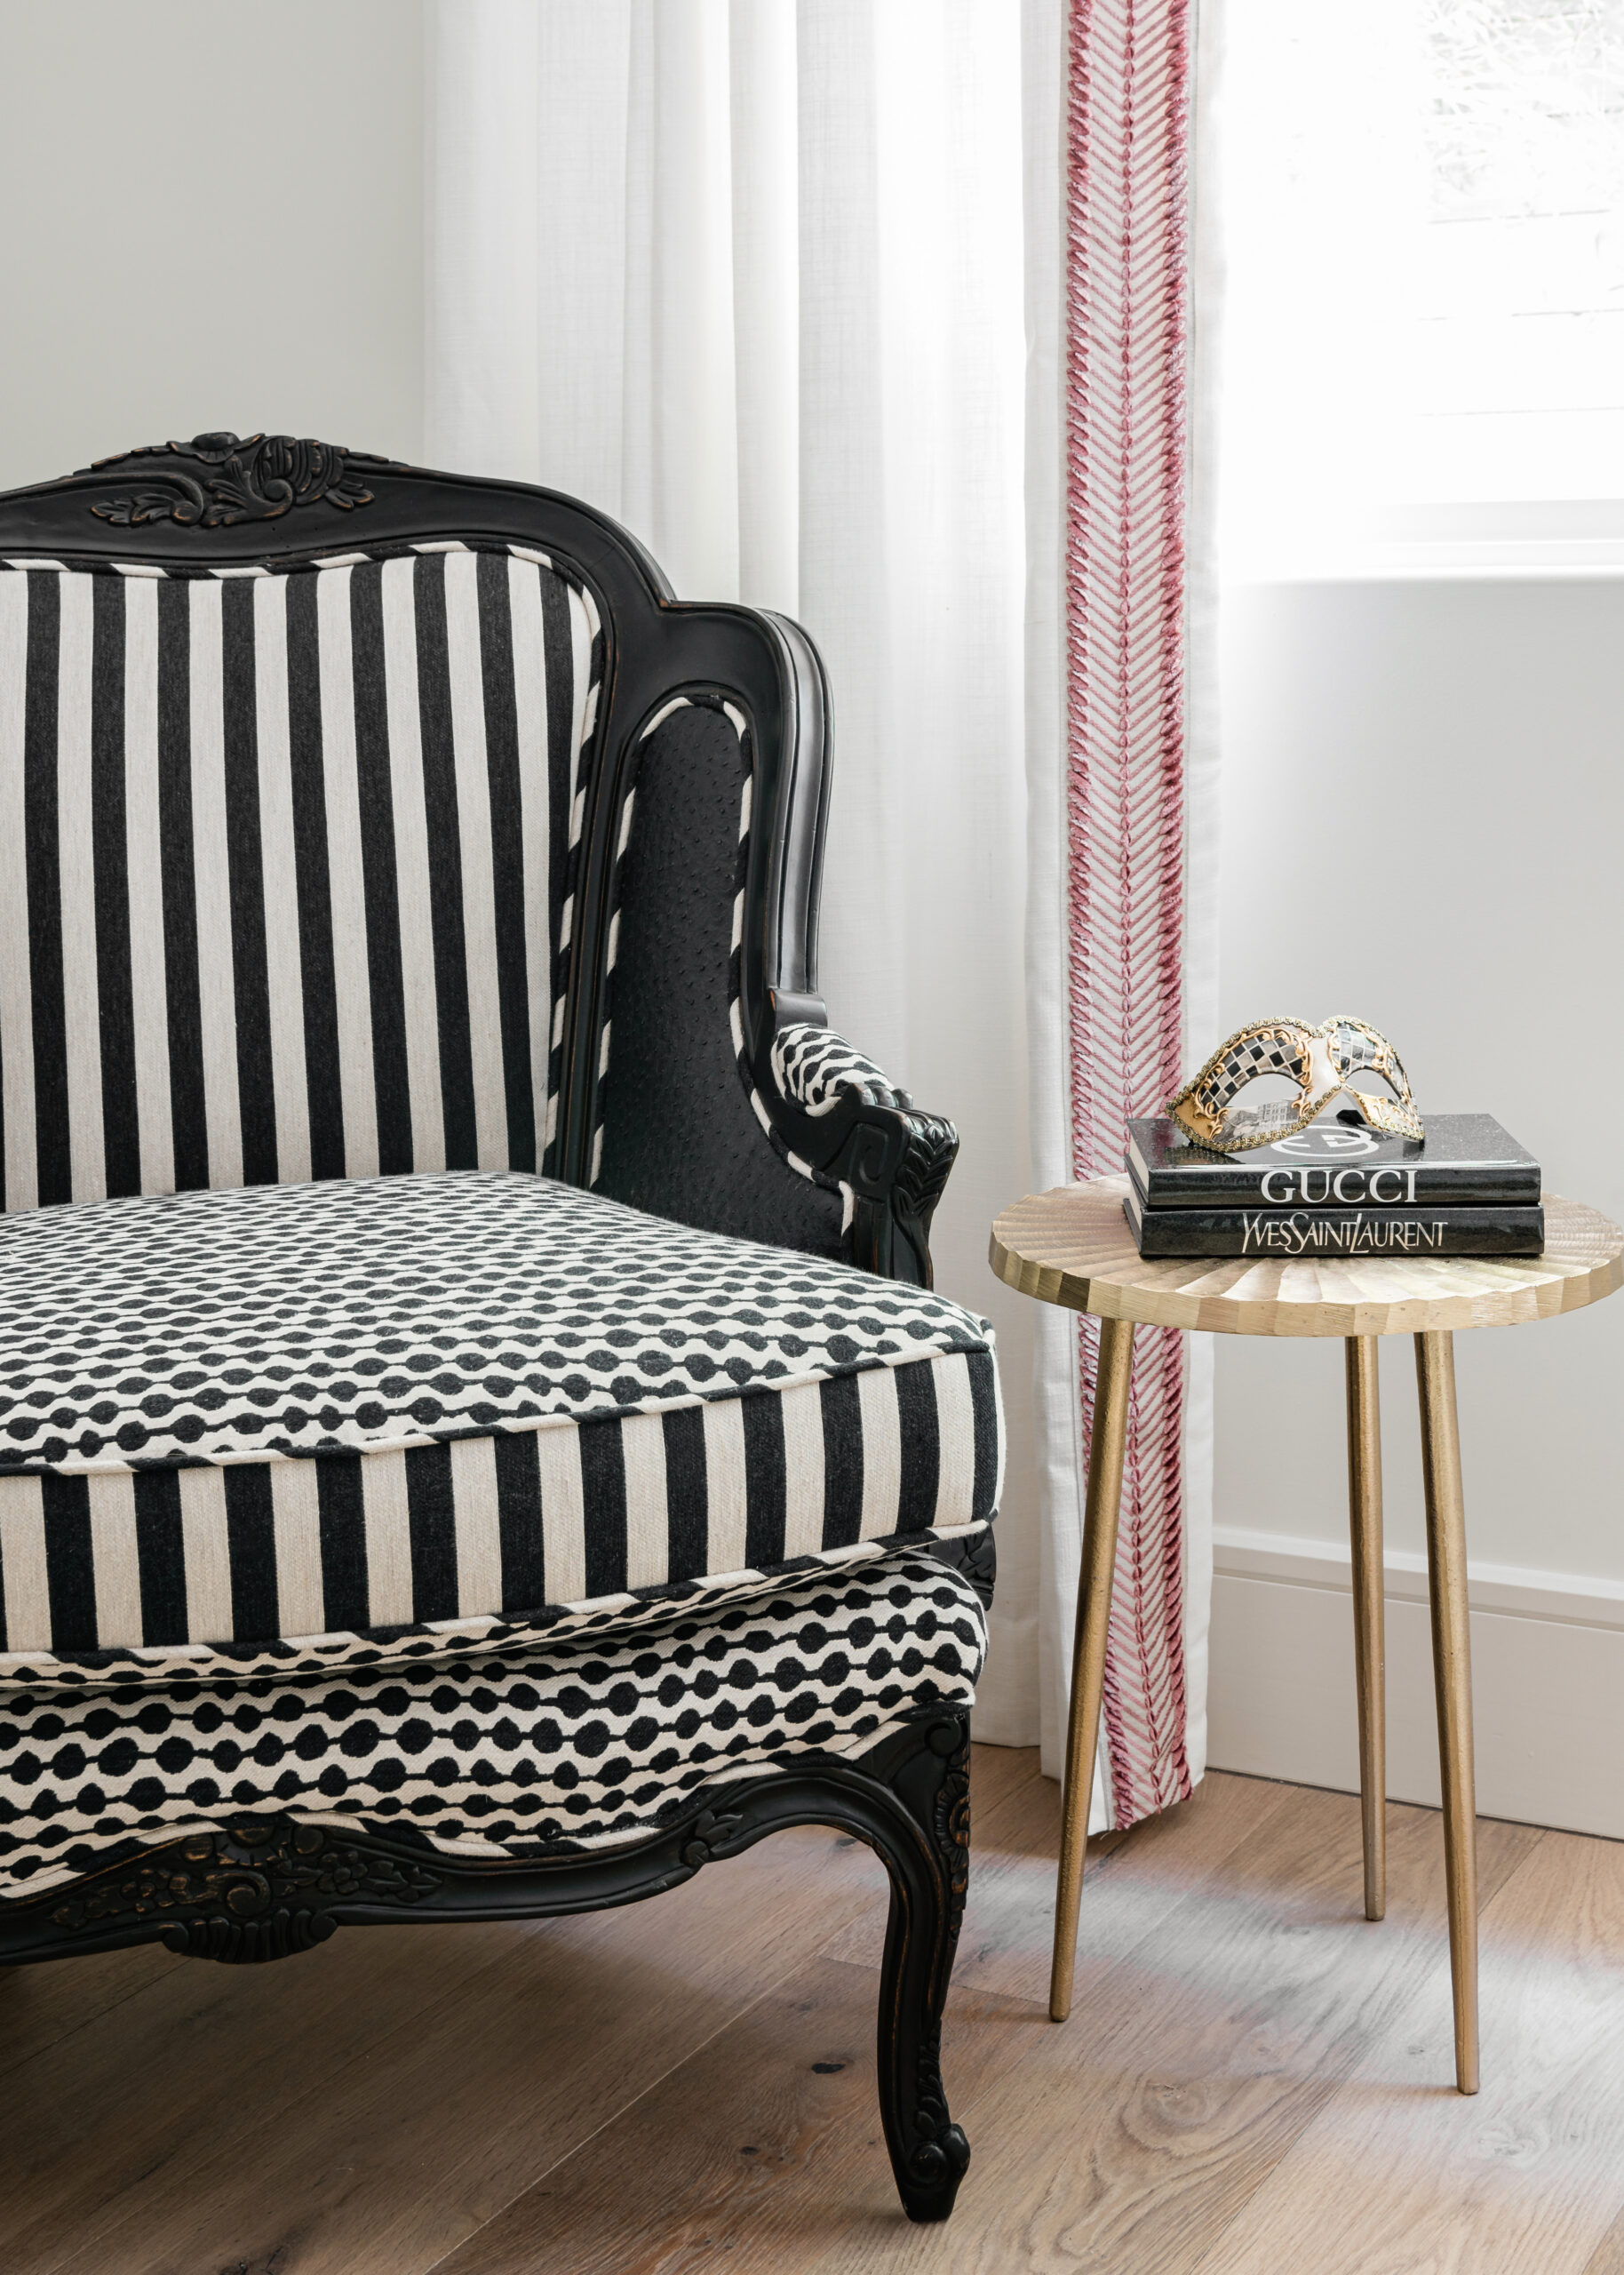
1281	1232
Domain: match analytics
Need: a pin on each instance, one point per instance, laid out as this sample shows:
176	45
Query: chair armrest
842	1120
815	1069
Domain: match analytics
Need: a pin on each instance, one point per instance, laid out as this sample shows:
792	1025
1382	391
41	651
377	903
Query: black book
1468	1162
1281	1235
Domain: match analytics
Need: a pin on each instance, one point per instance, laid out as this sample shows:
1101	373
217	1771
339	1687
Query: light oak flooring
1253	2080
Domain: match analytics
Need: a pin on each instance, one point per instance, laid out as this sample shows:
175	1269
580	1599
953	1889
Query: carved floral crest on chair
256	478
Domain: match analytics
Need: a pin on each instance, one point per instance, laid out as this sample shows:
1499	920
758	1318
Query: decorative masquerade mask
1321	1061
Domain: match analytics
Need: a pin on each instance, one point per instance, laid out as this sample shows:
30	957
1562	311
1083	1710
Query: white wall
1423	824
213	217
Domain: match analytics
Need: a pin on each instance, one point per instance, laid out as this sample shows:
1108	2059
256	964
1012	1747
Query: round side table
1073	1247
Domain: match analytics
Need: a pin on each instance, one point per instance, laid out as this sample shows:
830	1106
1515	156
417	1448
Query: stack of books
1337	1188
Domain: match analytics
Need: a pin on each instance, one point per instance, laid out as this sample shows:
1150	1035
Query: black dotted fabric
347	1315
567	1746
680	1137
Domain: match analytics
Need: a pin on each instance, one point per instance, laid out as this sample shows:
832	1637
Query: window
1423	216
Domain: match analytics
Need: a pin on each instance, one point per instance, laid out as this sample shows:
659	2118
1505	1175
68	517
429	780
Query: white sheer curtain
748	274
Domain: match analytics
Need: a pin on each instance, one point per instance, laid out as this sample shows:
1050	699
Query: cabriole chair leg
929	1876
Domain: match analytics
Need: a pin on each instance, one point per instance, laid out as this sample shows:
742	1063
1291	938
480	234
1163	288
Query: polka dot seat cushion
547	1748
235	1423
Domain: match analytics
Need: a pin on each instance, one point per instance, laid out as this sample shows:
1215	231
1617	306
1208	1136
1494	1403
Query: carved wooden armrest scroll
856	1126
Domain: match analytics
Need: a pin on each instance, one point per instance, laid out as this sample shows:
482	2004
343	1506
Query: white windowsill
1442	564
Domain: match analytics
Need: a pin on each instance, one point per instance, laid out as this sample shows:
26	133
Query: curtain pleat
779	284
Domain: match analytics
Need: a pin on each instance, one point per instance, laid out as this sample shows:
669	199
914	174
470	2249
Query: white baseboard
1547	1666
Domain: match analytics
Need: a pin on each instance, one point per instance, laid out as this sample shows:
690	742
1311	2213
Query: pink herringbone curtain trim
1127	186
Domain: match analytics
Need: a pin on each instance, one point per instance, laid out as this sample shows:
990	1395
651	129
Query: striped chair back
286	866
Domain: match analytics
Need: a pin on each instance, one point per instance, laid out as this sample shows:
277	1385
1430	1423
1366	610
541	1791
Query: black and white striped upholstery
507	1747
283	1412
285	867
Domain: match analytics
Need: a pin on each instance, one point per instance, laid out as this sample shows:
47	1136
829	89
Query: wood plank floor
1255	2077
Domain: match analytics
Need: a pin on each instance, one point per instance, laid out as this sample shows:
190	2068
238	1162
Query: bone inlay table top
1073	1247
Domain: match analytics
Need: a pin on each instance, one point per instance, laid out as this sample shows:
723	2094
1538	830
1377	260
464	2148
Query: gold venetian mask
1322	1061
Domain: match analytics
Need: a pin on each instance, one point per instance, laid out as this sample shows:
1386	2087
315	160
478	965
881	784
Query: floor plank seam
801	1961
17	2064
615	2118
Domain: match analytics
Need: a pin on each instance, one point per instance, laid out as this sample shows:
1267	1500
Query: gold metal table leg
1364	1526
1099	1517
1452	1667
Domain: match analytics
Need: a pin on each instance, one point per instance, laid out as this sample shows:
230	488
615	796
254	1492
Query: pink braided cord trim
1126	190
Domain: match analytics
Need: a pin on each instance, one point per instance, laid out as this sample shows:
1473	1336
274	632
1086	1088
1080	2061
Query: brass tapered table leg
1364	1526
1452	1667
1100	1516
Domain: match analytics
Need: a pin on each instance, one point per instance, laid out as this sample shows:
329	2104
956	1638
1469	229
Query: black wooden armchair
448	1466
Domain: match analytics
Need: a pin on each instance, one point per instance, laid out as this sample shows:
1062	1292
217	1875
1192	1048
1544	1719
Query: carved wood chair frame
268	1887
